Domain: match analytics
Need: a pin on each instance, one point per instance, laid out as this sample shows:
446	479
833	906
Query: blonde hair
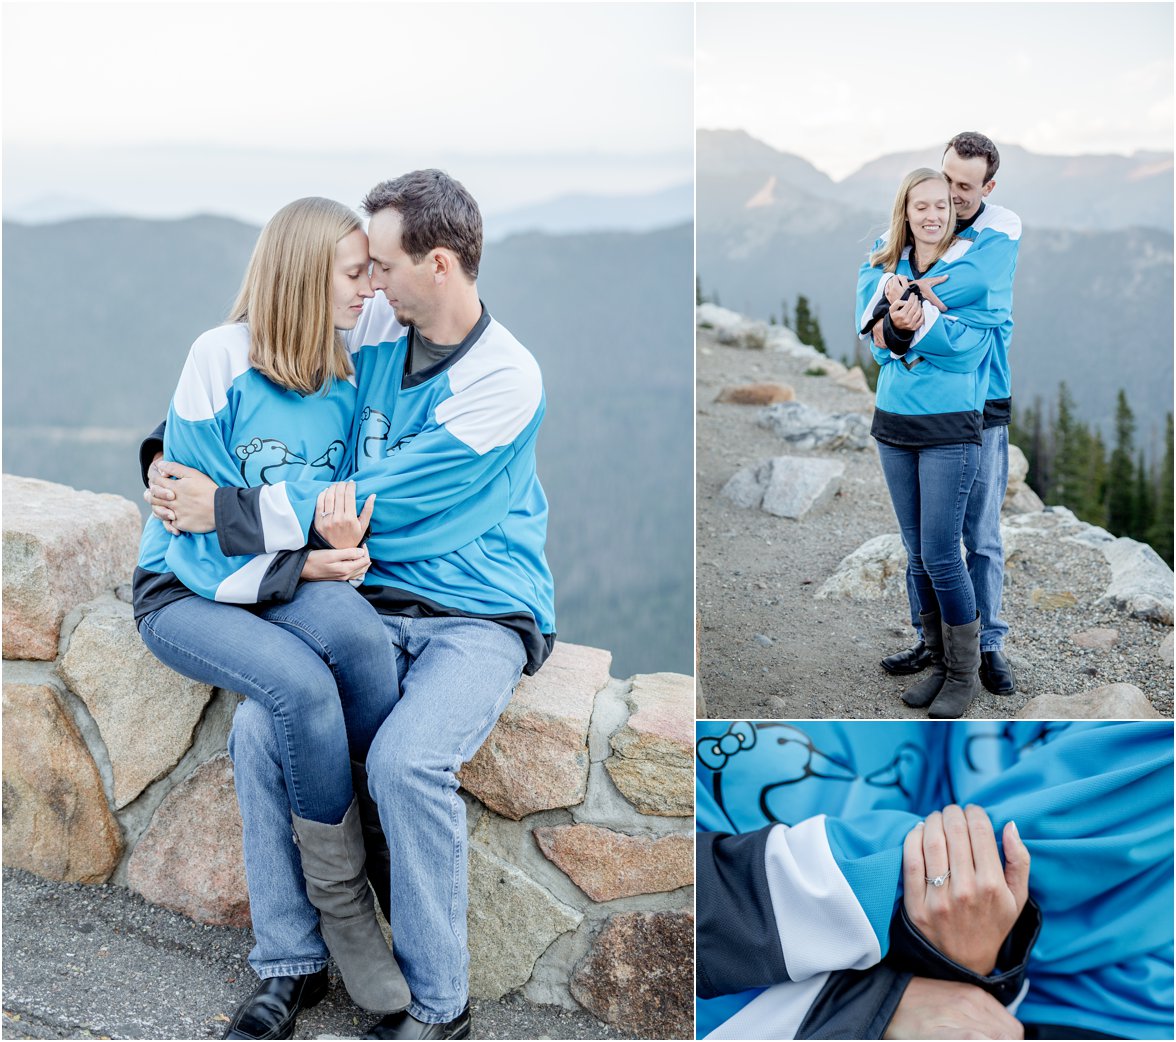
287	296
899	237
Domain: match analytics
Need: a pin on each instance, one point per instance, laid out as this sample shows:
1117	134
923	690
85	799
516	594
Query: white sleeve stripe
820	922
931	315
216	359
956	250
243	585
868	313
776	1013
279	522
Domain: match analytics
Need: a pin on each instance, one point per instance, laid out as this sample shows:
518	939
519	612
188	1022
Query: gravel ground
100	962
769	649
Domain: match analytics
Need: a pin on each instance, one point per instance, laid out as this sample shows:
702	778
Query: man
970	163
448	410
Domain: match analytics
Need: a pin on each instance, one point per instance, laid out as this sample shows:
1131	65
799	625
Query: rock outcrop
115	771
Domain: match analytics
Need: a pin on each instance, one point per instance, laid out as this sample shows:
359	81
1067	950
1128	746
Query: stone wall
580	802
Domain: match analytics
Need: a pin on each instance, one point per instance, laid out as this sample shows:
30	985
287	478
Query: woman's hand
181	497
337	565
896	287
336	518
971	913
950	1009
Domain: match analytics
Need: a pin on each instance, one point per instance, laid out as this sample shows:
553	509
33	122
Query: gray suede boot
923	691
961	654
332	862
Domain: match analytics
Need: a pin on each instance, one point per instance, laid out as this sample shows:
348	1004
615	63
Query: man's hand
181	497
879	335
337	565
925	287
970	915
335	516
949	1009
907	314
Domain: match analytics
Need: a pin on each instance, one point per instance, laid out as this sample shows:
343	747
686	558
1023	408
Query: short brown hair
970	144
437	212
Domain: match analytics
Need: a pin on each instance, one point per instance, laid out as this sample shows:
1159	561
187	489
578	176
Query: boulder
653	754
189	859
1112	702
62	547
536	758
787	486
512	921
639	974
757	394
607	864
1096	639
1165	650
1141	583
1019	497
145	712
853	380
805	427
876	569
57	823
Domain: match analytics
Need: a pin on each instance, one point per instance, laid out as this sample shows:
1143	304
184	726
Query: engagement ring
938	881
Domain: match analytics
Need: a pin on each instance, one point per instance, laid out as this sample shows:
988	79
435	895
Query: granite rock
536	757
607	864
189	859
1112	702
57	823
653	754
145	712
62	547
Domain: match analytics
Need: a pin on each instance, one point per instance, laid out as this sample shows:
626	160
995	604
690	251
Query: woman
267	396
928	423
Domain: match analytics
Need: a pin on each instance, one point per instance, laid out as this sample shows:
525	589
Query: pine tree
1143	506
808	329
1160	533
1096	482
1121	471
1071	444
698	297
785	320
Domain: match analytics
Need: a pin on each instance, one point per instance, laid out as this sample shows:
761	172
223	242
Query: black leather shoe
996	674
270	1012
904	663
403	1025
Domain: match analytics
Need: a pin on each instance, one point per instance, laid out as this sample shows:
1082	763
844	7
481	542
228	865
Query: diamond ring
938	881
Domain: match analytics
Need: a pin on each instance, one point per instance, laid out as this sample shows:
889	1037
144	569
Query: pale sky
842	83
534	87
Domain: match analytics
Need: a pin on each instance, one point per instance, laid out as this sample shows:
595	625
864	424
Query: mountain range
1093	293
90	364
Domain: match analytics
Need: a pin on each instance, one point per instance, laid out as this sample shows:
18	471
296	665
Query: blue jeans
455	675
320	664
982	540
929	489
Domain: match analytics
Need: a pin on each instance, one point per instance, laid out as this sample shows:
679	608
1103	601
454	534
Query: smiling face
966	177
410	286
928	212
350	283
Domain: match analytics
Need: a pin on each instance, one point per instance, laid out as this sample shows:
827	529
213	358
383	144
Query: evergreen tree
1121	471
1071	444
1096	482
808	329
785	320
698	297
1160	532
1143	508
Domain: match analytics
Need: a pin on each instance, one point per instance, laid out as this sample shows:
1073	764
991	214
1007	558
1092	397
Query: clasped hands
908	314
967	917
183	499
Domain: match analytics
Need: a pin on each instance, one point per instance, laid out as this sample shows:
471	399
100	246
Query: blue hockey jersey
460	519
238	427
830	805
